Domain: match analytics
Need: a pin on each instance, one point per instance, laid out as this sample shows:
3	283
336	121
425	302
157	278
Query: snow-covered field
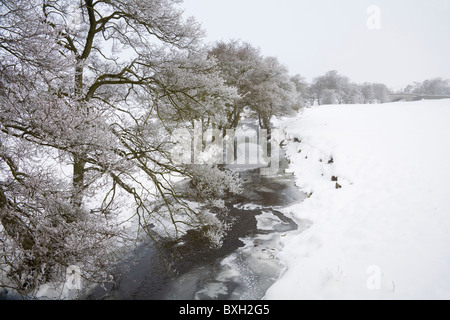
382	230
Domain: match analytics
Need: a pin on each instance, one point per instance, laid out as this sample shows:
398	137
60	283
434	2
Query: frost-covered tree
381	92
237	62
352	94
331	88
263	83
437	86
89	93
329	96
375	93
273	93
302	91
368	92
334	88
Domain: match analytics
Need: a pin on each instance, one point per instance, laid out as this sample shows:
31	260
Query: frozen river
242	269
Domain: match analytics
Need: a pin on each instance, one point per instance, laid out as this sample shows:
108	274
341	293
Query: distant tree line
436	86
266	88
334	88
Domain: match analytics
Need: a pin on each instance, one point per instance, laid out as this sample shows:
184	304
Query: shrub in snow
210	183
207	186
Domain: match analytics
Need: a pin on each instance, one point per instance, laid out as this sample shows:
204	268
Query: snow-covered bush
210	182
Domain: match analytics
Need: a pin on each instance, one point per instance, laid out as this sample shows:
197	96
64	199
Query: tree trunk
78	164
78	181
265	124
237	116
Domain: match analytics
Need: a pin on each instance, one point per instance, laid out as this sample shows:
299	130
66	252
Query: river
242	269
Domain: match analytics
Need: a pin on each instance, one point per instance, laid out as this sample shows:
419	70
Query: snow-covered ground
382	230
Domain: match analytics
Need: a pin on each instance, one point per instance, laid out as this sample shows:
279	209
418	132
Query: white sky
313	37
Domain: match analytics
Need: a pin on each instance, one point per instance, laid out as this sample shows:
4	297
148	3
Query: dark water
243	268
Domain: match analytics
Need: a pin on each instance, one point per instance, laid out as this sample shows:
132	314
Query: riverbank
377	178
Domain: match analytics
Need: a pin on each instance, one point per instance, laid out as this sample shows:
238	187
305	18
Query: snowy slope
386	233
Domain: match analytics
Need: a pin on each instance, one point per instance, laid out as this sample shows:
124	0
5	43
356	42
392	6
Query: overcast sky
313	37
